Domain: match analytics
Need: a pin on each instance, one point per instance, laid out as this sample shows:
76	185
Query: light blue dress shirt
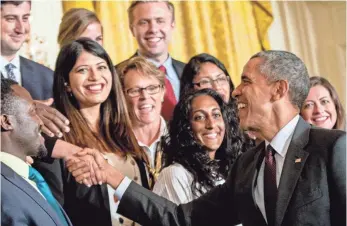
170	73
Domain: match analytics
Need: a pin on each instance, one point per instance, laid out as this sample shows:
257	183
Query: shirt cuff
122	187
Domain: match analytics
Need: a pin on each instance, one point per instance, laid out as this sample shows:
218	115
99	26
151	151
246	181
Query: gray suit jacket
311	191
22	205
37	79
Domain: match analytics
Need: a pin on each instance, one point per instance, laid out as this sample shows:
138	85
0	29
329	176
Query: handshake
89	167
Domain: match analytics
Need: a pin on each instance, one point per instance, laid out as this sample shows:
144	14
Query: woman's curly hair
180	145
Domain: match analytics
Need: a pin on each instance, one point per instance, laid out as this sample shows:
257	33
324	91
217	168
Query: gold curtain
232	31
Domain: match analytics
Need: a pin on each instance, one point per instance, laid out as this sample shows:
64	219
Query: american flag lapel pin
298	160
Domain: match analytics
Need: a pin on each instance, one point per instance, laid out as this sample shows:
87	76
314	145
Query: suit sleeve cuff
123	186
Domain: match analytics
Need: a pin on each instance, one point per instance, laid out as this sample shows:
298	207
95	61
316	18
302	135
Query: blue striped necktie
35	176
10	73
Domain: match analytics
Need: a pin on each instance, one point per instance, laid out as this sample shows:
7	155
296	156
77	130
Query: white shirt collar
280	140
15	61
162	132
16	164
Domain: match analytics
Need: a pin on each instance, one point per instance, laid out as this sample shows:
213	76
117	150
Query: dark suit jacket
178	65
37	79
311	192
21	204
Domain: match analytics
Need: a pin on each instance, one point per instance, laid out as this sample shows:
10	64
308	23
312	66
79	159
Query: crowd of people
155	141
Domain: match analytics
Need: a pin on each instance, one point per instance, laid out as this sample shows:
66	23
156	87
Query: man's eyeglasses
208	82
151	89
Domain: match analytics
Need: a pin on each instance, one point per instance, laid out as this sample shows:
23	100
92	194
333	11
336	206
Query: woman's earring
68	89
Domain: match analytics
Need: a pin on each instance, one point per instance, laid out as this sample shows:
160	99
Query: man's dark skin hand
54	121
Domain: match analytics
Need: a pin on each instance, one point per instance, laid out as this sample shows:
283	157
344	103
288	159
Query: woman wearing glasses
205	71
144	90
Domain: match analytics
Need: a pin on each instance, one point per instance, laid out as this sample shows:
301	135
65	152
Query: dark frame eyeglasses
151	89
208	82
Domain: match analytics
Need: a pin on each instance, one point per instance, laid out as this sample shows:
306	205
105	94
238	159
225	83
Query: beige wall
316	32
45	20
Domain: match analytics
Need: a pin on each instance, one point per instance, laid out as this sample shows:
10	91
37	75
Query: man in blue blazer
297	176
25	196
15	28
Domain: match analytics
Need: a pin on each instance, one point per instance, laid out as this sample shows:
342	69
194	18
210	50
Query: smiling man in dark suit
297	176
25	196
152	24
15	28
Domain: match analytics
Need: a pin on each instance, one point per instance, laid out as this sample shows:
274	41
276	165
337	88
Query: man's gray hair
281	65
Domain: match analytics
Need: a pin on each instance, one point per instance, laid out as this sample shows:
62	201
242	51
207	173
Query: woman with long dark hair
206	71
200	147
88	92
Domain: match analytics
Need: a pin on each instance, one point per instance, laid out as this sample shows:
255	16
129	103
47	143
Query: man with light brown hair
152	24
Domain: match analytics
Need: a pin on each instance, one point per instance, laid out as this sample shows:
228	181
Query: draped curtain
232	31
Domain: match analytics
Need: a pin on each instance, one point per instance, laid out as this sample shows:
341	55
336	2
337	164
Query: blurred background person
322	106
144	89
200	147
79	22
88	92
205	71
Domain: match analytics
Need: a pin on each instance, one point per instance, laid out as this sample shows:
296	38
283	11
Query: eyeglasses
151	89
208	82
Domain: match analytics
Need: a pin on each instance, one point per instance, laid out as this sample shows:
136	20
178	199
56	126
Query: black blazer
178	65
21	204
311	192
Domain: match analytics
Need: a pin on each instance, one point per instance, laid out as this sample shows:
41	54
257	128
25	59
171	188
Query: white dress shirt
16	71
18	166
280	144
152	148
174	183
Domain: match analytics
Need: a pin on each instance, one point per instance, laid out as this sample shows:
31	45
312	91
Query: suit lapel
177	67
23	185
29	80
258	159
293	164
104	194
246	183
